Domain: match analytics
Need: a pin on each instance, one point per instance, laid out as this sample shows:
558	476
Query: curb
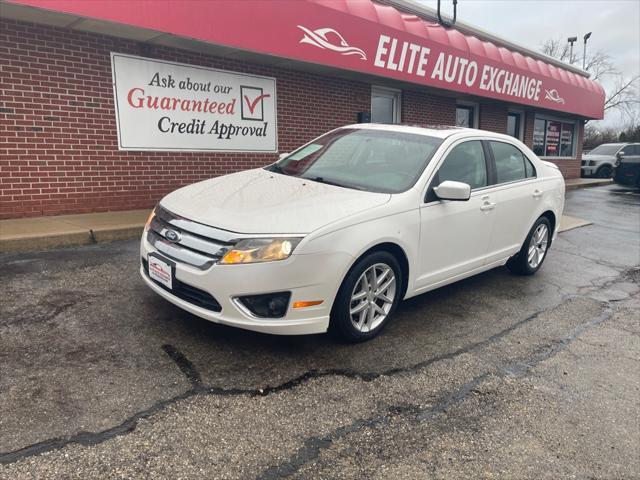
69	239
588	184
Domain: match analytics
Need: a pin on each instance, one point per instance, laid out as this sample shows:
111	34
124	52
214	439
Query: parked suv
627	166
601	161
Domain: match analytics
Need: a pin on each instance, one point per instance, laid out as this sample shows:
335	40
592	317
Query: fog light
266	305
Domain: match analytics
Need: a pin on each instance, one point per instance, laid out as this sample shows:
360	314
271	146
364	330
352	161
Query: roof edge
428	13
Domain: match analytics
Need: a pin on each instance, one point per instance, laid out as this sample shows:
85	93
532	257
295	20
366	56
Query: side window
511	164
465	163
529	168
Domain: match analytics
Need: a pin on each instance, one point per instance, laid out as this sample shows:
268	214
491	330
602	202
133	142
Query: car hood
259	201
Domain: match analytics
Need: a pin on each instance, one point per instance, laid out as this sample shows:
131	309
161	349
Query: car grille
583	163
185	292
189	242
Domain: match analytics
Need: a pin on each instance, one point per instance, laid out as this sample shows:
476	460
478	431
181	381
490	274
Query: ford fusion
334	235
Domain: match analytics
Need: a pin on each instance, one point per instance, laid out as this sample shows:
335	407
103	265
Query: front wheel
534	250
604	172
367	298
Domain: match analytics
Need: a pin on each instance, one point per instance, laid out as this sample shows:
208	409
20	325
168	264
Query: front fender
401	229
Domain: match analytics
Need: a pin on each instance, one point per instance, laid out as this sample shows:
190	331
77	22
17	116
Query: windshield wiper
329	182
276	169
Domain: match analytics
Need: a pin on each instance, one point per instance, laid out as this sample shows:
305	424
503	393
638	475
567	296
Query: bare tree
621	93
556	48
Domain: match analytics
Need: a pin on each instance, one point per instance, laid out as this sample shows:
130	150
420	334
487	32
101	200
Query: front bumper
307	277
587	171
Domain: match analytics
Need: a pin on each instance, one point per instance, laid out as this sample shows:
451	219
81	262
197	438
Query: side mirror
282	155
620	155
450	190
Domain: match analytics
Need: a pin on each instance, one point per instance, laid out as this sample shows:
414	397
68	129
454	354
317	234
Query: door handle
487	206
537	193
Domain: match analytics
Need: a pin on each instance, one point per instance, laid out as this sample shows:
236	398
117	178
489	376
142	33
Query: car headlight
150	219
255	250
592	163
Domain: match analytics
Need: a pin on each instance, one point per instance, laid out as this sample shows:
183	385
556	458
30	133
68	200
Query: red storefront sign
359	36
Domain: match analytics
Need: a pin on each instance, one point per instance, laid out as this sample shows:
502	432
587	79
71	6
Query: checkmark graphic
252	102
251	105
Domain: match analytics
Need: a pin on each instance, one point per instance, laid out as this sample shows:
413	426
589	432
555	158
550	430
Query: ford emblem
172	236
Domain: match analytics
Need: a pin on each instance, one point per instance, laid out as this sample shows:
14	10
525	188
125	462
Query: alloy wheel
372	297
538	246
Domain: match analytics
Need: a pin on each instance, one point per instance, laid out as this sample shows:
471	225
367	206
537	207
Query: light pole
571	41
584	53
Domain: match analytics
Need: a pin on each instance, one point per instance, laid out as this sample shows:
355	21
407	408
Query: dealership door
385	105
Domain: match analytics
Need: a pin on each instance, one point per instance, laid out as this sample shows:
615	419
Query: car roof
438	131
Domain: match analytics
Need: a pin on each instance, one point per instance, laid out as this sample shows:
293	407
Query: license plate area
162	270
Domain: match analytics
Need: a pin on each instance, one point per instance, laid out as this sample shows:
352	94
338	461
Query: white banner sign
171	106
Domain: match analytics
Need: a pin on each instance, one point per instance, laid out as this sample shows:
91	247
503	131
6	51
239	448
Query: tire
361	325
520	263
604	171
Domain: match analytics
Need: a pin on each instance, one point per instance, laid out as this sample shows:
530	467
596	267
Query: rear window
511	163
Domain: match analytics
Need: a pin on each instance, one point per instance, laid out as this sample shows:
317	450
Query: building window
465	116
553	138
385	105
514	124
566	140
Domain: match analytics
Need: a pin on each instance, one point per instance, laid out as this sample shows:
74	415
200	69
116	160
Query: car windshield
364	159
606	149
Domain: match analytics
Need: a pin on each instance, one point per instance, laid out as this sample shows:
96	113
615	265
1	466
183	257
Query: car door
517	193
627	170
454	235
630	152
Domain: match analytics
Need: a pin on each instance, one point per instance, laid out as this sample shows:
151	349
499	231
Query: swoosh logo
553	96
330	39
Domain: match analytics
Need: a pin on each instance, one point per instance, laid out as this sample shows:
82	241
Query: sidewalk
575	183
41	233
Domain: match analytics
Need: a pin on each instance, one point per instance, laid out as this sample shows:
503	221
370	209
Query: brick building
64	129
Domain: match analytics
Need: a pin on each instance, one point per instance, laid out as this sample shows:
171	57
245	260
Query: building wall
420	108
493	117
58	140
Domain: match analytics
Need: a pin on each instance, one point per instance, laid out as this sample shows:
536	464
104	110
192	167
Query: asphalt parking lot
497	376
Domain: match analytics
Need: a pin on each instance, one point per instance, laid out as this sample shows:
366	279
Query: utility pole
584	53
571	41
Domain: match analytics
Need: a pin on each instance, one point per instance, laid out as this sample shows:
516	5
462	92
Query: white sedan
334	235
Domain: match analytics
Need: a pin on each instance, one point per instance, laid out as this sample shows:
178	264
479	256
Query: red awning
360	36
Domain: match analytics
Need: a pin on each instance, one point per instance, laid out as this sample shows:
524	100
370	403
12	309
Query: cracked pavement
496	376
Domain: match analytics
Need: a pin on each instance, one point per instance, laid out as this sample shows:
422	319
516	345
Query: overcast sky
615	25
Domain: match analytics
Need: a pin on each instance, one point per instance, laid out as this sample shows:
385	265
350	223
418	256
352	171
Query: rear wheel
534	250
604	171
367	298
